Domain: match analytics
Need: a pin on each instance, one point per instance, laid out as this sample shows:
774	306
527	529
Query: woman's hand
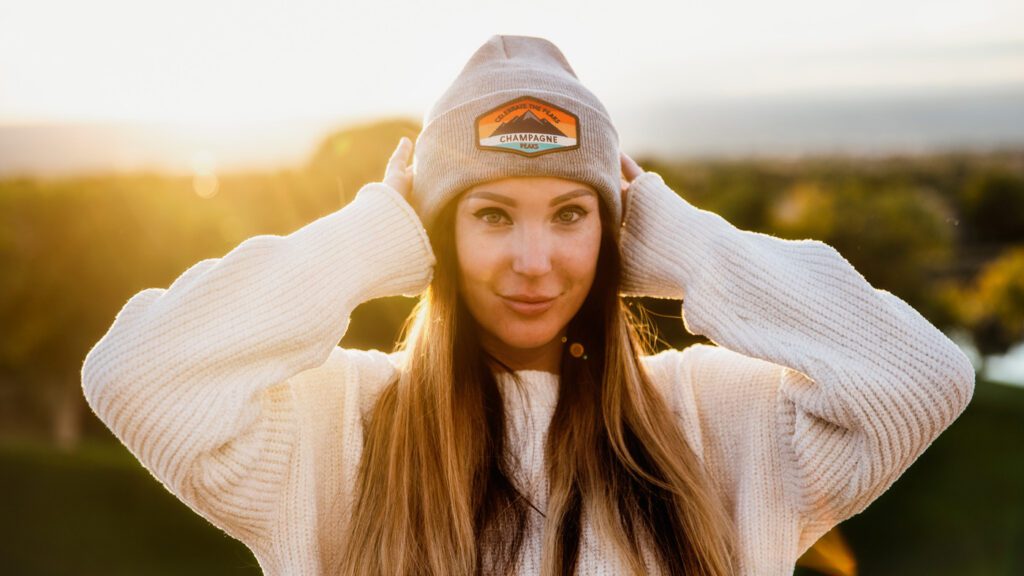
398	173
630	171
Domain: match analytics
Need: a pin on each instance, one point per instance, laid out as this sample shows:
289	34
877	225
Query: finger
630	168
400	156
404	150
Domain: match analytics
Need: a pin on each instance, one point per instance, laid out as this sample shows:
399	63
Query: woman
521	427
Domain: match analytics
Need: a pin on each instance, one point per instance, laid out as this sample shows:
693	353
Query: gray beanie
516	109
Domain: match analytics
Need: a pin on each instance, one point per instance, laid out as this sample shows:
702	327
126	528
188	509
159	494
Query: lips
528	304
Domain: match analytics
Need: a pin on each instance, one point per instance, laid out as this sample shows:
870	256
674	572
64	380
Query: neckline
530	375
537	388
543	373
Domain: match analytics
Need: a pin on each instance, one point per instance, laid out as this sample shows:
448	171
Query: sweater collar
537	384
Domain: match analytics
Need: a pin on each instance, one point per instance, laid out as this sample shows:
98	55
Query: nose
532	252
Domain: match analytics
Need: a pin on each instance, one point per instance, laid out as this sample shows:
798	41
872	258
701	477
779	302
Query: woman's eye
571	214
491	216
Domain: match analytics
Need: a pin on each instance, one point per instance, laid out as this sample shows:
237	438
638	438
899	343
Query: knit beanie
516	109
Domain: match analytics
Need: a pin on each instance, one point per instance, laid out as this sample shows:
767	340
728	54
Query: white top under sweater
230	388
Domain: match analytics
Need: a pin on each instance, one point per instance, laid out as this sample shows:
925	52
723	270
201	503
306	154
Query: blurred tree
72	252
742	192
896	235
994	205
358	154
992	307
898	232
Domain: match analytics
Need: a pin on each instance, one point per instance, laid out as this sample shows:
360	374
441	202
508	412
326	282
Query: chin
525	333
527	338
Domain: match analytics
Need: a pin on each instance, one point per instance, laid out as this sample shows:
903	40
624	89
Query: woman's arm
193	378
851	383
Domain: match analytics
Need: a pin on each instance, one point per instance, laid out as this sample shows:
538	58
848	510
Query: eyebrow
509	201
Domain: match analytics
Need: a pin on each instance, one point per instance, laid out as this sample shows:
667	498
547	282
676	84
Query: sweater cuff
662	237
380	240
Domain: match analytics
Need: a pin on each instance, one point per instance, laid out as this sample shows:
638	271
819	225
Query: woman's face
527	253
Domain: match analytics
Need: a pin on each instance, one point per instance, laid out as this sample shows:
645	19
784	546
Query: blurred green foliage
925	228
932	229
992	306
72	251
944	232
994	198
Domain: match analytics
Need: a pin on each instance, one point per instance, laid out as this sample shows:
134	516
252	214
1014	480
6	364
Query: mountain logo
528	126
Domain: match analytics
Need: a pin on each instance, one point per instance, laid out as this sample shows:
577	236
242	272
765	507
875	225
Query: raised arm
193	378
846	383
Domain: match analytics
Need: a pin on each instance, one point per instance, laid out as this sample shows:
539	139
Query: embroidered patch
527	126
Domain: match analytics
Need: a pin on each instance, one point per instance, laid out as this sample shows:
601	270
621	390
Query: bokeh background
137	138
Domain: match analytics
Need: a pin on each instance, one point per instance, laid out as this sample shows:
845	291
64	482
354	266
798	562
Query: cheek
476	259
580	260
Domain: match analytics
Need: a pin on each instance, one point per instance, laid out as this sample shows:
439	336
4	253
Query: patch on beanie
527	126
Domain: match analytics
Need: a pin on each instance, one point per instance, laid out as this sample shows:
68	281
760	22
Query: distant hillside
857	124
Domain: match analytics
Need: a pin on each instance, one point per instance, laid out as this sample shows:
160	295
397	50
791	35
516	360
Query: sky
214	66
202	61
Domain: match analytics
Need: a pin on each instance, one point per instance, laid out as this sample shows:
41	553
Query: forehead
529	188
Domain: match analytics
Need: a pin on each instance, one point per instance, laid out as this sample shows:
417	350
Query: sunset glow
219	64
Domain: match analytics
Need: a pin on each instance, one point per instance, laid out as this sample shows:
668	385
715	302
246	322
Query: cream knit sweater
230	388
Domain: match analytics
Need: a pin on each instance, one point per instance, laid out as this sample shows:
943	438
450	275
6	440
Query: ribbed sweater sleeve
848	383
192	378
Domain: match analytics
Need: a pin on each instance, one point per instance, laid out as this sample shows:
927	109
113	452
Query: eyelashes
576	214
492	216
497	217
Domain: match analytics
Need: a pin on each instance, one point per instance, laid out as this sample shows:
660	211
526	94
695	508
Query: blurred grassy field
96	511
959	510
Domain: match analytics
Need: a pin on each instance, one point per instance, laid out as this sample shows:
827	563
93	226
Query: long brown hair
434	490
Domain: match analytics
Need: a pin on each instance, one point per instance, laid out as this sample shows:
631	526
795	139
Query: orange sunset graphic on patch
528	126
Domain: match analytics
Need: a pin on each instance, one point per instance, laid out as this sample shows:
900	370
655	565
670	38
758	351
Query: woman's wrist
396	254
659	237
